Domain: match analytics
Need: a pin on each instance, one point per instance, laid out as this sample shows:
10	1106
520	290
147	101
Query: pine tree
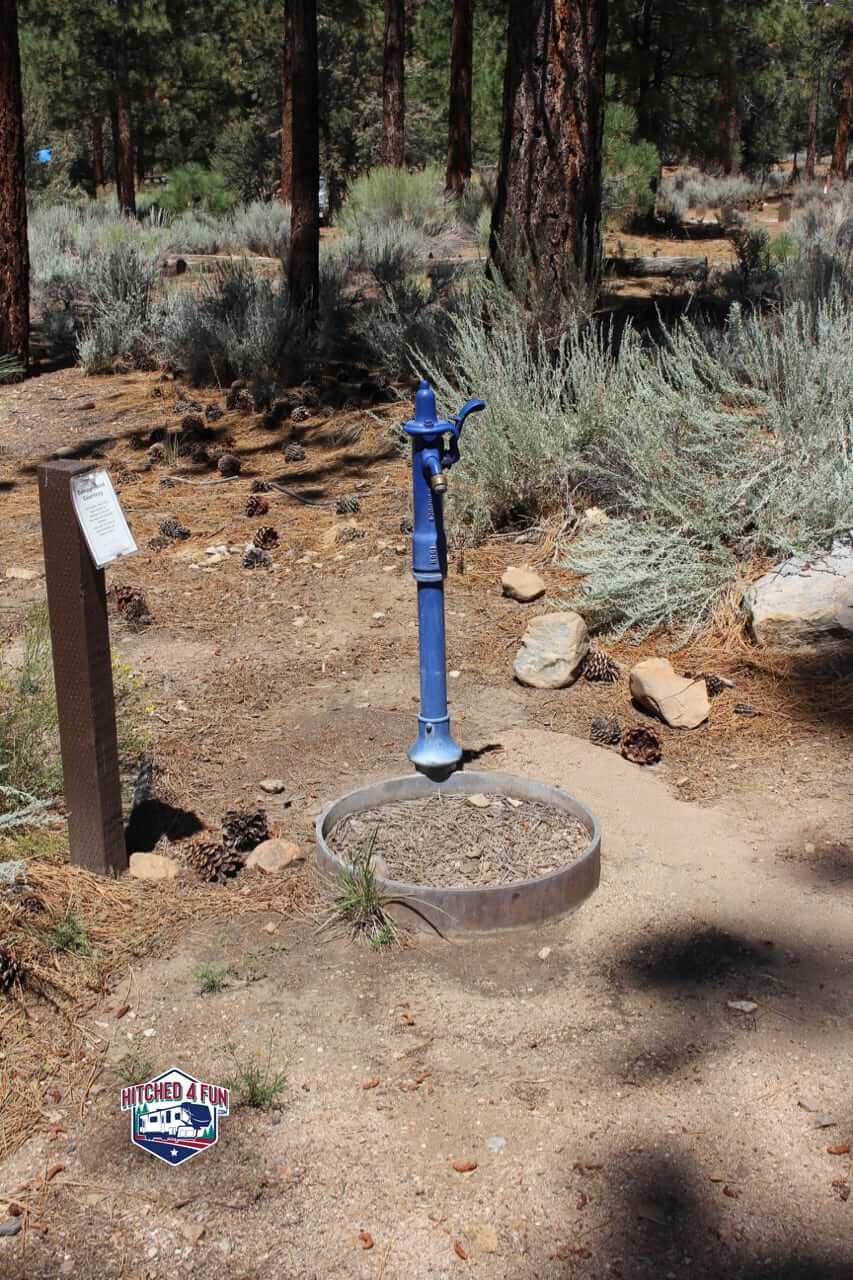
393	87
549	184
14	256
304	267
286	187
845	105
459	116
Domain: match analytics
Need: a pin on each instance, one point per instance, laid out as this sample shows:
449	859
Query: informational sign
101	518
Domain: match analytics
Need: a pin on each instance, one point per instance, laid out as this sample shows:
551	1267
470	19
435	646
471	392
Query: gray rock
10	1227
805	604
552	650
11	871
678	701
522	584
272	786
495	1143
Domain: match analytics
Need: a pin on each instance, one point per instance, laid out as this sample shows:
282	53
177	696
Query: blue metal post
434	751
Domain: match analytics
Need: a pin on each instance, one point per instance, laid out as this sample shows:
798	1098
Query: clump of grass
70	934
134	1067
359	905
212	978
255	1081
9	368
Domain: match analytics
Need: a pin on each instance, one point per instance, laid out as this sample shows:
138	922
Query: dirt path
649	1129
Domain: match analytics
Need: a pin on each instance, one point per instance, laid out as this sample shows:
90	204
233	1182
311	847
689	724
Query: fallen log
203	263
695	268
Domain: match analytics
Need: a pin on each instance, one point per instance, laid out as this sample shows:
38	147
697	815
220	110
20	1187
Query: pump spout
434	470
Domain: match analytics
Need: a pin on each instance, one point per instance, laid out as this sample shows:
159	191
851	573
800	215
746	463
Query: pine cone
213	412
300	414
233	392
199	455
746	709
193	426
166	482
293	452
229	465
713	683
256	558
156	454
243	402
256	505
348	535
11	970
348	505
600	668
244	831
641	744
212	861
159	543
173	529
132	605
605	731
260	486
186	405
266	538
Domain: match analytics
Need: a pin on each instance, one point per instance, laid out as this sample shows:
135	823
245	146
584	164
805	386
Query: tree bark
548	202
814	116
845	103
125	187
98	151
393	90
14	254
459	118
286	187
304	266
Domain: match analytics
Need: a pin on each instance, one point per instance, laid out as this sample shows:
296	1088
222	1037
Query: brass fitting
438	482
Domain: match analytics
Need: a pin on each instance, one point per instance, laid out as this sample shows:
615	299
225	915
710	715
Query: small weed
359	904
69	934
134	1067
212	978
255	1082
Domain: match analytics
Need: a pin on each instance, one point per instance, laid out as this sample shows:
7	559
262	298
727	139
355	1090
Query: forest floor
625	1120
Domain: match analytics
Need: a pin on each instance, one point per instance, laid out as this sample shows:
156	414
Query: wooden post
77	603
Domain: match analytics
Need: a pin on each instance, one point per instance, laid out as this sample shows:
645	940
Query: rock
479	801
552	650
193	1231
495	1144
805	604
275	855
679	702
742	1006
23	575
13	870
272	786
152	866
808	848
11	1226
522	584
594	518
544	953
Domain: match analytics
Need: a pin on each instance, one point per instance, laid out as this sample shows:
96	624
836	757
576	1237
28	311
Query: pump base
435	752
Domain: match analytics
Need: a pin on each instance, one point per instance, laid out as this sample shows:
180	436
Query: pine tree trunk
125	187
459	119
141	158
393	91
646	125
814	116
304	266
286	187
98	152
14	255
845	103
549	180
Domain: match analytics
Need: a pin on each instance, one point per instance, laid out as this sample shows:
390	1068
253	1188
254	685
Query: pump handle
470	406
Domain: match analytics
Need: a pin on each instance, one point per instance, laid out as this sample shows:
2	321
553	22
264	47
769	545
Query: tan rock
552	650
152	866
680	702
275	855
522	584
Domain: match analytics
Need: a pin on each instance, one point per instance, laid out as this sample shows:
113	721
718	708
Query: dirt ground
624	1118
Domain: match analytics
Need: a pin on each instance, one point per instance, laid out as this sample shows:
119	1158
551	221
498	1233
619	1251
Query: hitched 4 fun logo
174	1116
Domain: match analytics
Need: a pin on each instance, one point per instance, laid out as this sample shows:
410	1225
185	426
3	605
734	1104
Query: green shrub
394	195
631	168
248	158
192	186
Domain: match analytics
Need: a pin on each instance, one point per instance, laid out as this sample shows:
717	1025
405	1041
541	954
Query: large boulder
679	702
805	604
552	650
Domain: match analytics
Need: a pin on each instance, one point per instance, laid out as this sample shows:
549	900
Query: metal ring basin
464	910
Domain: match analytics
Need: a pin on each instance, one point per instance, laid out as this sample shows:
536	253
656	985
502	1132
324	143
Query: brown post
76	599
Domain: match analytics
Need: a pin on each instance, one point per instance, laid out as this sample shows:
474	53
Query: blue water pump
435	752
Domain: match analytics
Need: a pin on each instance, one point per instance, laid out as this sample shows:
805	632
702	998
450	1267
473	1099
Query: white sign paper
101	518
